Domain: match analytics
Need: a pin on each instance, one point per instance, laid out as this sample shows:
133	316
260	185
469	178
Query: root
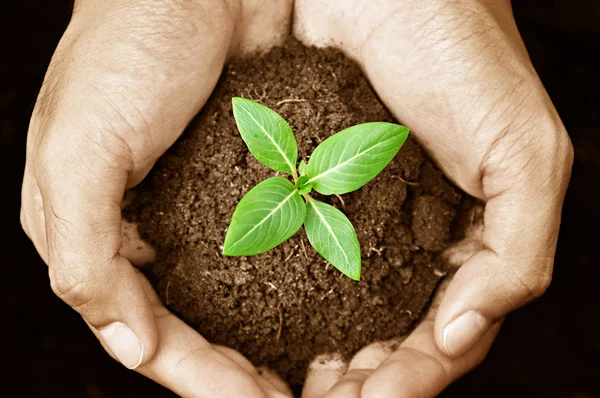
290	255
290	100
414	184
341	200
378	251
303	248
253	95
328	293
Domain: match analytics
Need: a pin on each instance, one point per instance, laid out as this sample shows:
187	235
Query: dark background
550	348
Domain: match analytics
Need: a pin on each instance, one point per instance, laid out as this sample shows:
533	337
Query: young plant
273	211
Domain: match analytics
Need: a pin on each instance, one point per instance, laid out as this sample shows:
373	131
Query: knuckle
109	138
532	283
72	288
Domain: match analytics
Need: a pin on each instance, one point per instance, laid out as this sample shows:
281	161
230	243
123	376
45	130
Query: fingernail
463	332
124	344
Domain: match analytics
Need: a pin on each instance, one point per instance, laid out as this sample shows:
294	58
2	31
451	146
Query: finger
518	158
374	354
322	374
370	358
408	357
190	366
350	384
362	365
418	368
268	382
273	378
87	271
121	339
522	219
269	389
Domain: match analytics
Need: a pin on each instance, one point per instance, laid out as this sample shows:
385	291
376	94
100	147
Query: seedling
271	212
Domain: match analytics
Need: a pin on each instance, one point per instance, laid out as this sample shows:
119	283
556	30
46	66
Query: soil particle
284	307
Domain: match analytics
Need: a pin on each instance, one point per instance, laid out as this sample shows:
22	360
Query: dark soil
283	307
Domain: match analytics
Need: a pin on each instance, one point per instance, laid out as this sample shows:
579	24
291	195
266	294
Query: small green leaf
305	189
267	135
266	216
332	235
302	168
301	181
302	186
349	159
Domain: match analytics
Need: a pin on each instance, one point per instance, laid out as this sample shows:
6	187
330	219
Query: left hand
458	74
125	80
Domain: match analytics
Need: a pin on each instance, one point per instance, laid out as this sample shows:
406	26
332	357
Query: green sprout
273	211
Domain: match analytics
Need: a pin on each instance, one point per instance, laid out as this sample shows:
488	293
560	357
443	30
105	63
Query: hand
125	80
118	93
458	74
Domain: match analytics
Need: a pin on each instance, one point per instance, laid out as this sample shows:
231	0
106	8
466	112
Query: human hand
106	118
124	82
458	74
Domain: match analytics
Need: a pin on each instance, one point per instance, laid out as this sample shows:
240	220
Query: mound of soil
283	307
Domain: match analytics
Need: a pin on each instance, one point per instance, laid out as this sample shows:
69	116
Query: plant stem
295	176
307	197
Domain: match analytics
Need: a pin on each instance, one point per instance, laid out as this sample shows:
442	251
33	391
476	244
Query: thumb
524	182
81	186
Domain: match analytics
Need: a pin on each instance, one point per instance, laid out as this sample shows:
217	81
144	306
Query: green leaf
302	168
332	235
349	159
266	216
267	135
305	189
301	181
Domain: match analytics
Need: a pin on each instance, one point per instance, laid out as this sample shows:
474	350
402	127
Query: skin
127	77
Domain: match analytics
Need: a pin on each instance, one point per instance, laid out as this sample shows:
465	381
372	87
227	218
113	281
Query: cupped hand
129	75
457	73
125	80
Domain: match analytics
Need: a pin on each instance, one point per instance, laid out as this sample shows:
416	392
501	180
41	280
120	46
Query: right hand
125	80
458	74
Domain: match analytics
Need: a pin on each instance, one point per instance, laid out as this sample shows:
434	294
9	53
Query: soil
284	307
